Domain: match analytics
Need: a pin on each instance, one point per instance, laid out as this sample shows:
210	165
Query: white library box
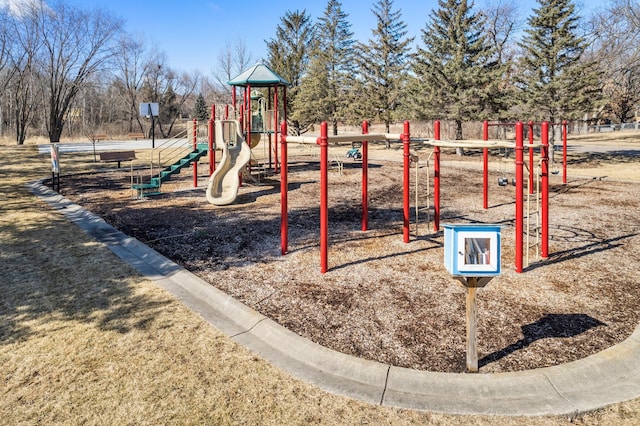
472	250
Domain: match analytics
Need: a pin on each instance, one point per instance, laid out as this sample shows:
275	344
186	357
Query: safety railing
177	147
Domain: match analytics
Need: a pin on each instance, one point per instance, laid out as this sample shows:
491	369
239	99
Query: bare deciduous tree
171	90
76	44
232	60
133	64
22	79
501	25
615	32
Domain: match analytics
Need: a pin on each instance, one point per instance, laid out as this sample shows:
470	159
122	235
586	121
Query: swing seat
354	153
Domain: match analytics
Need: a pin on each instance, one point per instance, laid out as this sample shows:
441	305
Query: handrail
175	148
171	143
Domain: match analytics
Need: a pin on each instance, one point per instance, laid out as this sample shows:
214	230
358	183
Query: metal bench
117	156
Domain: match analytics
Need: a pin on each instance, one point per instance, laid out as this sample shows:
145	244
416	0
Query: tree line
69	71
469	64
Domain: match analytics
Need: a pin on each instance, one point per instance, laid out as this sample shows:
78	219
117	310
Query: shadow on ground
548	327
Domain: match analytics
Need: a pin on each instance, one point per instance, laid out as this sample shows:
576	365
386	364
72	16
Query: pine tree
456	72
200	109
555	82
289	55
325	89
383	64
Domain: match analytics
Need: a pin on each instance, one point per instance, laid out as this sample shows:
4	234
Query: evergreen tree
383	64
325	89
555	83
456	72
289	55
200	109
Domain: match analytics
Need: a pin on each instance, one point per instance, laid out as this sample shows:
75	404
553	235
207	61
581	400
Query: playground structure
323	141
256	118
225	180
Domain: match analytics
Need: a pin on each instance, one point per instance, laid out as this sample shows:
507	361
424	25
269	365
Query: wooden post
472	284
472	353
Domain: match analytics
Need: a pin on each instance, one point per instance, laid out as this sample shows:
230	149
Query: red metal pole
365	178
195	146
226	111
249	120
436	178
407	168
275	133
284	104
284	206
544	231
564	152
324	185
212	141
234	99
211	153
519	196
485	166
275	123
531	168
247	109
247	124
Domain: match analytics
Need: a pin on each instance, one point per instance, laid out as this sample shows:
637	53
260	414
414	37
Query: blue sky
192	33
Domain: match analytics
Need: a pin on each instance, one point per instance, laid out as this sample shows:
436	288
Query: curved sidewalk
602	379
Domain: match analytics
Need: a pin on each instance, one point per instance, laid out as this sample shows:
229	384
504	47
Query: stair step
144	186
166	174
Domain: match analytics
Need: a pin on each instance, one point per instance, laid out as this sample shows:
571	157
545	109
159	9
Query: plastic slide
224	182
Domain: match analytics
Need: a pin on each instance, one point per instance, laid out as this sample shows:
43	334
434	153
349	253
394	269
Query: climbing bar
373	137
471	144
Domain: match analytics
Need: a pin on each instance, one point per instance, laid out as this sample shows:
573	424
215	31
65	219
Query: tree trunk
20	130
459	151
55	131
387	144
552	140
295	124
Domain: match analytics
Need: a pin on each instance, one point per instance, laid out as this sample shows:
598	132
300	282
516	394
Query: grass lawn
84	339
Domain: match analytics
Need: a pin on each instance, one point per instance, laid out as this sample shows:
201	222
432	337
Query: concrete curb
608	377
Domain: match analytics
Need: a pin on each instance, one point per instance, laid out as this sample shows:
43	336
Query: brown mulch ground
389	301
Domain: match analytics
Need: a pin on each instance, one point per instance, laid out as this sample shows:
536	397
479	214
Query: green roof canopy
258	75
